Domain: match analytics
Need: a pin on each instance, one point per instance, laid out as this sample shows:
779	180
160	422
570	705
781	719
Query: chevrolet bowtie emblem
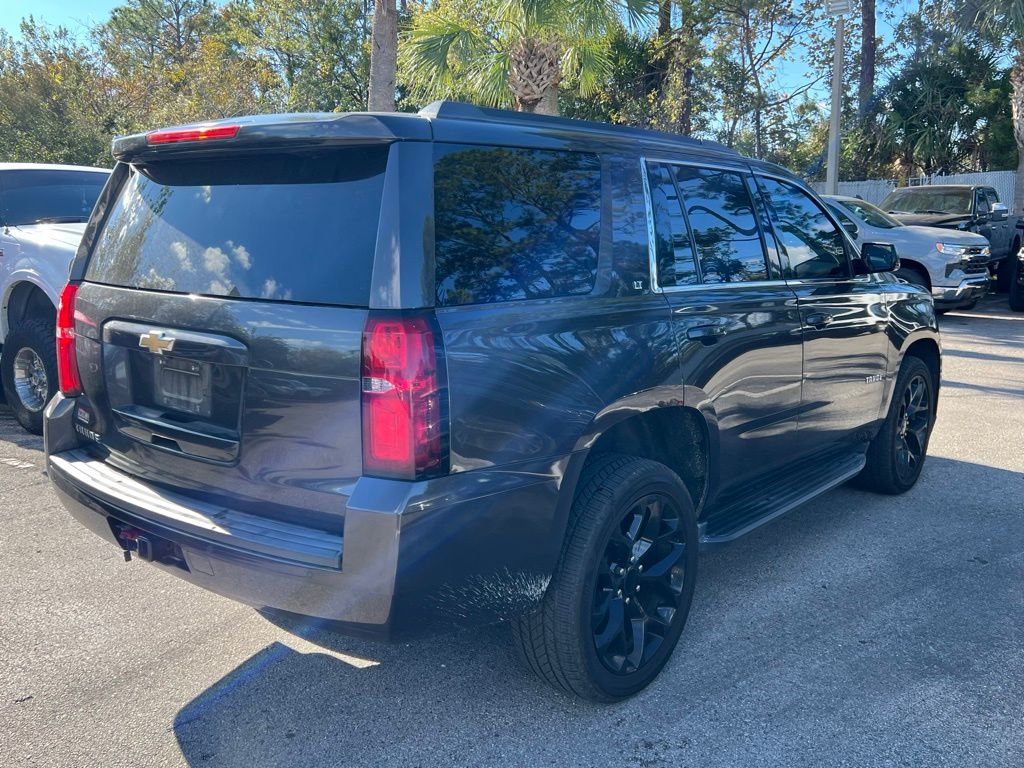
156	342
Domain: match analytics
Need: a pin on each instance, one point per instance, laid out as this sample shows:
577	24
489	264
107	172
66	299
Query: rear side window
275	227
515	223
48	196
812	242
705	227
721	216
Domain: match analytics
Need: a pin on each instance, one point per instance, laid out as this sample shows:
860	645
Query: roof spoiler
271	131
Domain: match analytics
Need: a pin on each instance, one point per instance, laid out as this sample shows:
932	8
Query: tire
28	371
597	587
1016	288
1006	271
889	469
914	276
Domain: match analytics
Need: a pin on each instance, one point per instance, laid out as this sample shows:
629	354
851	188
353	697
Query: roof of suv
442	121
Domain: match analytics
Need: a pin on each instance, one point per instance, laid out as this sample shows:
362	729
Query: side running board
740	515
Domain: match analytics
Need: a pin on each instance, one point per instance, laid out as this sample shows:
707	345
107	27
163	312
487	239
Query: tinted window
812	242
871	215
515	223
288	228
55	196
928	199
721	217
982	205
676	264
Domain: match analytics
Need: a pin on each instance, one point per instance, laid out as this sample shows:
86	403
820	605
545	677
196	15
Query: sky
76	15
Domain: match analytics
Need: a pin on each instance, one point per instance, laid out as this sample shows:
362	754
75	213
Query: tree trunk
548	105
383	57
1017	110
867	56
664	17
535	73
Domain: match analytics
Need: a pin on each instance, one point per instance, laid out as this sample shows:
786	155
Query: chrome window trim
738	168
723	286
652	248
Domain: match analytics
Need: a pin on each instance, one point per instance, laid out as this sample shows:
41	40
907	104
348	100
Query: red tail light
404	398
68	380
199	133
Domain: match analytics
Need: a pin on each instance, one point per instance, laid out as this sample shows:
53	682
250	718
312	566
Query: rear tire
28	371
896	456
1016	288
621	593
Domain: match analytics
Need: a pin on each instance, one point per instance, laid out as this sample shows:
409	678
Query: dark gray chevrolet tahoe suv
402	371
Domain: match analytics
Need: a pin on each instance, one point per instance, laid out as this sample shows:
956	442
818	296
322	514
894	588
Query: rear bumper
465	549
969	289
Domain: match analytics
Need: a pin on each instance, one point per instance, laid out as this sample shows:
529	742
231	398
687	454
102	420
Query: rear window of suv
287	227
515	223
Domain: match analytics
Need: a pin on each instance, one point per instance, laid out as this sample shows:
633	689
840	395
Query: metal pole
832	170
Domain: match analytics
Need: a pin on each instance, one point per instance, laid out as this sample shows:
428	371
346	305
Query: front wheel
28	371
896	456
619	598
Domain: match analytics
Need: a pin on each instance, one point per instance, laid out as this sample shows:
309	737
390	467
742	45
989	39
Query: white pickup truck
43	211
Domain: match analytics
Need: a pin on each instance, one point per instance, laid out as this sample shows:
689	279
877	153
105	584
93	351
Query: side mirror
879	257
850	227
999	211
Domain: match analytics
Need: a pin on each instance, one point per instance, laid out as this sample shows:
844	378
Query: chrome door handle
819	319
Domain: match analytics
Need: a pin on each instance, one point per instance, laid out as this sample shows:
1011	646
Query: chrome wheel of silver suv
30	379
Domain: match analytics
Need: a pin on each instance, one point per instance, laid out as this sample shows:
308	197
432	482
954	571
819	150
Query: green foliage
52	110
461	48
718	69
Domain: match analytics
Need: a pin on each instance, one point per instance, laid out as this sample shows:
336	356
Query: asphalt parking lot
858	630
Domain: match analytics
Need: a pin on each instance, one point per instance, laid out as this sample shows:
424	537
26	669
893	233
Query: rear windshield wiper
60	220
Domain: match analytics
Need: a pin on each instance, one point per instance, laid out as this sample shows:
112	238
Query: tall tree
1004	21
868	49
515	52
383	56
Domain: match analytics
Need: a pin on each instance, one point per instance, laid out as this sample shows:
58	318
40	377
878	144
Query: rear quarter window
276	227
514	223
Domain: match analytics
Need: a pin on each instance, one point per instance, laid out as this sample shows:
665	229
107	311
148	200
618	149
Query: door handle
705	334
819	319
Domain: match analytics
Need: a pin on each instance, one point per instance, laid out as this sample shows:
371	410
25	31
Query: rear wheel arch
26	301
677	436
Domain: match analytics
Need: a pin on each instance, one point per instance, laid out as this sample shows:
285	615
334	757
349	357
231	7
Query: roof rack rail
457	110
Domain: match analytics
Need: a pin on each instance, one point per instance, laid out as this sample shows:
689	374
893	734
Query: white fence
875	190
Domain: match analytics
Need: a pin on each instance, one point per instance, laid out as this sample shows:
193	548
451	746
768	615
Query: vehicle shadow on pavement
833	623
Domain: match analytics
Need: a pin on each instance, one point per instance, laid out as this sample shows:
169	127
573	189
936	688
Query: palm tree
515	52
1004	20
383	56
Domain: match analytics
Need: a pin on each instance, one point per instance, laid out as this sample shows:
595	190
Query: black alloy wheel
639	584
913	425
621	593
897	453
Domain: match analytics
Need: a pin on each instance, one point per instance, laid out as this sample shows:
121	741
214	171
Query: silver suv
953	265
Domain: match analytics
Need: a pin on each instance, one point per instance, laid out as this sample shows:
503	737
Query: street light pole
836	8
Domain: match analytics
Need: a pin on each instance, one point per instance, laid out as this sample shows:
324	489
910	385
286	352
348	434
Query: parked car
43	210
952	265
964	207
401	371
